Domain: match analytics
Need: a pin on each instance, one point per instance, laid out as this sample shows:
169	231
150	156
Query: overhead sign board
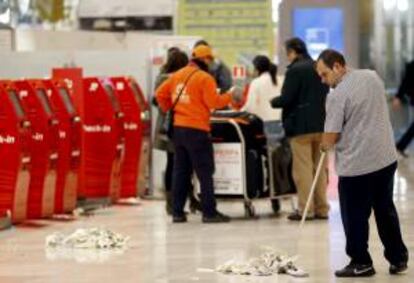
237	29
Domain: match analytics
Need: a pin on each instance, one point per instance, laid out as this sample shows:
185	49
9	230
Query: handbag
168	123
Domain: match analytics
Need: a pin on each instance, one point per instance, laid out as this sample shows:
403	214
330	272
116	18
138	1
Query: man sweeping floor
358	126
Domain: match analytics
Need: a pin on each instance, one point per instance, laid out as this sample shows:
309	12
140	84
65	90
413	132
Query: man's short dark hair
329	57
296	44
201	42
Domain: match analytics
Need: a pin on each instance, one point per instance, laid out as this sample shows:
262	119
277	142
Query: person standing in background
303	115
261	90
358	128
218	70
169	65
406	90
195	91
176	60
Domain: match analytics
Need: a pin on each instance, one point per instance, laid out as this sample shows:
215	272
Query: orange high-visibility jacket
196	102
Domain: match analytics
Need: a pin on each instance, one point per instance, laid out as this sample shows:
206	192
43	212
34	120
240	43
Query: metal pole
312	190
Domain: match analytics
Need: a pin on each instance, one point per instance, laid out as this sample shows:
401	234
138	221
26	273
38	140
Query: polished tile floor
161	252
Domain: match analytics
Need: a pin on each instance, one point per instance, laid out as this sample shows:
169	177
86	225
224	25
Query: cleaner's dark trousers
193	152
358	196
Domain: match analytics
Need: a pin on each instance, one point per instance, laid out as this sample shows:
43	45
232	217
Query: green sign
237	29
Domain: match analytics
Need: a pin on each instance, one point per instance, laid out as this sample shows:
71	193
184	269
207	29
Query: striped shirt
357	110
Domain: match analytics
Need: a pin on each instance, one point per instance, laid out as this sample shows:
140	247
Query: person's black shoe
399	268
356	270
295	216
179	219
217	218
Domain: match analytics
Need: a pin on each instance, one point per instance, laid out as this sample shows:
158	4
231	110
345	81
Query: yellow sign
51	10
237	29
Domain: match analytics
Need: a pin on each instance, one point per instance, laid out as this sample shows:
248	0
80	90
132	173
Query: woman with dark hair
176	60
261	90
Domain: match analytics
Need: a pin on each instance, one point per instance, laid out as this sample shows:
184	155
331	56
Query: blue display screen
320	28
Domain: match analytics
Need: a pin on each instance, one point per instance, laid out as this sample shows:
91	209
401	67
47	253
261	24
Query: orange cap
202	51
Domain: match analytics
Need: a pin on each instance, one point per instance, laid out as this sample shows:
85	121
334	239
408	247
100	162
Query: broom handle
312	190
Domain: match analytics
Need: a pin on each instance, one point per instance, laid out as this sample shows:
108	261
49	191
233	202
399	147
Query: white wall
6	40
99	53
38	64
35	40
30	64
123	8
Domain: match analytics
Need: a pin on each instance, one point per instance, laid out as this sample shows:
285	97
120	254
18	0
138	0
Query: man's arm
224	79
334	121
290	90
163	95
405	86
210	96
328	141
251	97
402	89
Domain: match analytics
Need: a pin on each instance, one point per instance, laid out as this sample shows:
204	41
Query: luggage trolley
245	164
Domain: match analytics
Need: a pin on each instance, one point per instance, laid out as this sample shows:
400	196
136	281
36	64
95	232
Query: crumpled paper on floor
90	238
83	255
267	264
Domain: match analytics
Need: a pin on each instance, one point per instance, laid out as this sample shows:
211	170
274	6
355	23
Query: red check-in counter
43	148
133	127
100	140
118	142
14	153
69	146
145	129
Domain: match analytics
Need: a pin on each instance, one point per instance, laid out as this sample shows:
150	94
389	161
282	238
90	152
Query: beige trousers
306	154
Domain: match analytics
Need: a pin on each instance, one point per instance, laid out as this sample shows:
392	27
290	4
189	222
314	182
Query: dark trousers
406	138
169	177
169	172
193	152
358	196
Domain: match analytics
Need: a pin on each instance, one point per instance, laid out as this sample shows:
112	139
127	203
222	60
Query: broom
312	191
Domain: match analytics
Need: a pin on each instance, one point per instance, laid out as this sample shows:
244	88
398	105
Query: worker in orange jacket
191	134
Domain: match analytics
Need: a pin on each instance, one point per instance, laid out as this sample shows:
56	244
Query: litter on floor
267	264
89	238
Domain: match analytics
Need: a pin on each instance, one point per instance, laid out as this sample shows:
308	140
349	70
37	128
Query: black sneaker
179	219
399	268
356	270
217	218
295	216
